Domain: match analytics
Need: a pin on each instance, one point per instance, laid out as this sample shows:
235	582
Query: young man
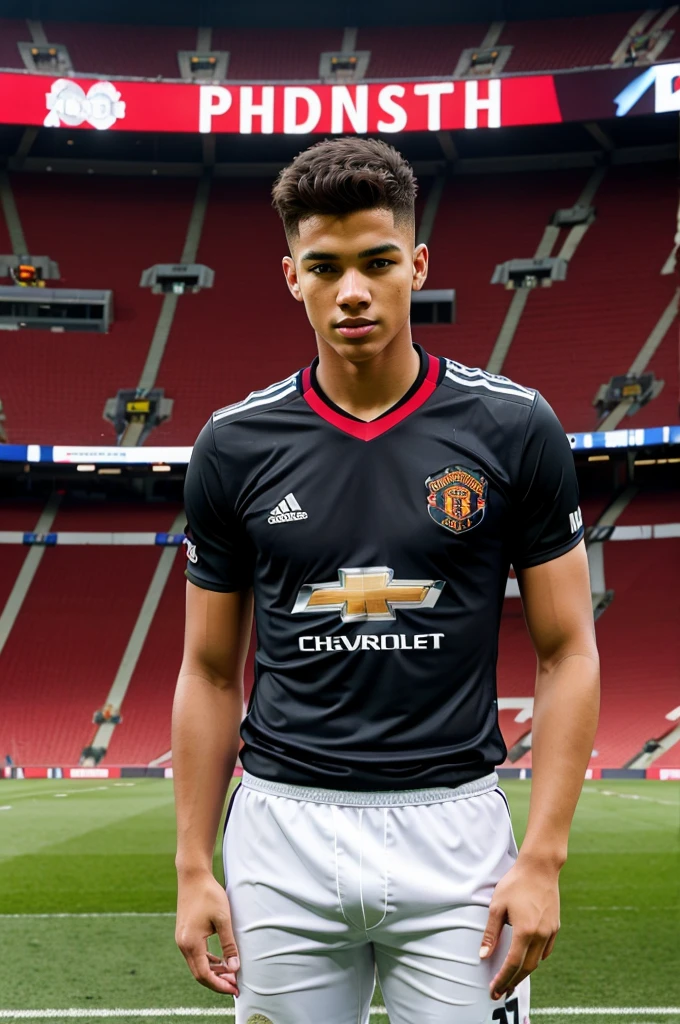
373	503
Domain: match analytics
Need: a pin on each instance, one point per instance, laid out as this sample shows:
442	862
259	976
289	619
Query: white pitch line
102	913
376	1011
629	796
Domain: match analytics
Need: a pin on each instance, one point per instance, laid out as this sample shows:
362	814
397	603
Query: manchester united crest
456	498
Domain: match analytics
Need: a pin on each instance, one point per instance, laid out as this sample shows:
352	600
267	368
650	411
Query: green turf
108	848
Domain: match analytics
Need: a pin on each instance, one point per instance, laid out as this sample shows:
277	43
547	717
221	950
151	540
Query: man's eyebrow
377	250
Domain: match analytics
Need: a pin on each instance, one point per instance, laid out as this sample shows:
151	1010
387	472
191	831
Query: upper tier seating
12	31
571	337
557	43
103	232
275	54
401	52
279	54
145	51
483	221
579	333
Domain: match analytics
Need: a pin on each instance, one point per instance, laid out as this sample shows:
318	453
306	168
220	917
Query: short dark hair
341	176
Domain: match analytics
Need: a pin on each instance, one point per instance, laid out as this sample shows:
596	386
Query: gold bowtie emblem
367	593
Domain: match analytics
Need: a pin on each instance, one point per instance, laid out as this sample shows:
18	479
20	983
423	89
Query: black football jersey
379	553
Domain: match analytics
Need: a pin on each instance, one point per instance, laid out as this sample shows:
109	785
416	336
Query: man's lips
357	331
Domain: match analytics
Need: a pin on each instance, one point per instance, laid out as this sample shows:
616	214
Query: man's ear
290	273
420	262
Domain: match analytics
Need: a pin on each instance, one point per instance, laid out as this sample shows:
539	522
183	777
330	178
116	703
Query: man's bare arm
206	718
558	611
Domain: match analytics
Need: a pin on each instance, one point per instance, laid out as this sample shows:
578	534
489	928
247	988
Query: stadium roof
269	13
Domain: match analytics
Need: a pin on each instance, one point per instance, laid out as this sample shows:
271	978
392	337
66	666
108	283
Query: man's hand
203	910
527	898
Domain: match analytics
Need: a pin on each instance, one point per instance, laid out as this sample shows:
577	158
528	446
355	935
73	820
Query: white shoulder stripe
483	383
280	385
247	405
477	372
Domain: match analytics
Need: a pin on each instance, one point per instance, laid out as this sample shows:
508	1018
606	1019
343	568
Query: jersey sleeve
219	551
547	519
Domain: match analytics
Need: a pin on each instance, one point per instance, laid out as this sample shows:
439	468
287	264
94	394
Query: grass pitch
106	849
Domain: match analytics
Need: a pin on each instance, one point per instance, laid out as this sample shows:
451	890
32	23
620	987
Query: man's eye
322	268
383	264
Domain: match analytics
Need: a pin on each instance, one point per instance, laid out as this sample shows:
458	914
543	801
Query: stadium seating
144	733
557	43
230	339
293	54
483	221
145	51
103	232
408	52
639	649
571	337
65	648
12	31
649	507
275	54
579	333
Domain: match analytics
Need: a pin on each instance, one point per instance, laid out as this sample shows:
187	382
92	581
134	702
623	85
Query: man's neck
368	389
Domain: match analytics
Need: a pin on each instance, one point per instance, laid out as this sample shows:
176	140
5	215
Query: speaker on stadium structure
480	62
25	269
166	278
134	413
203	66
534	273
573	216
51	57
633	389
344	66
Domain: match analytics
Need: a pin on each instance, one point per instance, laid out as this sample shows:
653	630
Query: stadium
139	144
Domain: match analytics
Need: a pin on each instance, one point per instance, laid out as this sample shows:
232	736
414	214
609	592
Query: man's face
355	275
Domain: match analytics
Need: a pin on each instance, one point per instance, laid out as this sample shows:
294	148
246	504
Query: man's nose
353	290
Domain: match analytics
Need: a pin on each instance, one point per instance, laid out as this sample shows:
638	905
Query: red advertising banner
373	107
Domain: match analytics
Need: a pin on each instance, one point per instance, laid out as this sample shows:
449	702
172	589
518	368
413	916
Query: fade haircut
340	176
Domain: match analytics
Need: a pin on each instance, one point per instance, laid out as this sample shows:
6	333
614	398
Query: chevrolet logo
369	593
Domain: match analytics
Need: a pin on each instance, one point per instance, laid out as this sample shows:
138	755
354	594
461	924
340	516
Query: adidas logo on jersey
287	510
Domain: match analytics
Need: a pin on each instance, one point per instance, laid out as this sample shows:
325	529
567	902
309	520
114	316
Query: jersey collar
367	431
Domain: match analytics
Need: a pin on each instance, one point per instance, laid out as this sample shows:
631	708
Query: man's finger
226	937
495	922
197	959
531	960
511	966
550	946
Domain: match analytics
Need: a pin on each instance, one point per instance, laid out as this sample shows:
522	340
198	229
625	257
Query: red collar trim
372	429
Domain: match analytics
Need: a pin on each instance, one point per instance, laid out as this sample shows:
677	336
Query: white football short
330	889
